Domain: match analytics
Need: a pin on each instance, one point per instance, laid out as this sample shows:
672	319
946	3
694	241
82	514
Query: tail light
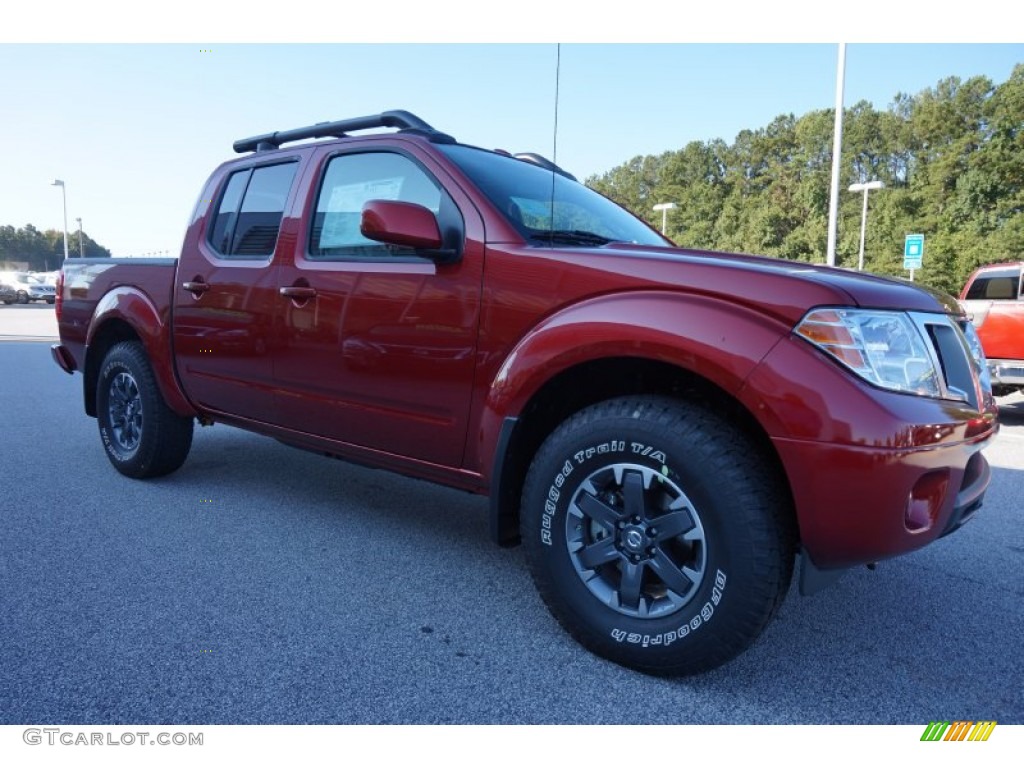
58	302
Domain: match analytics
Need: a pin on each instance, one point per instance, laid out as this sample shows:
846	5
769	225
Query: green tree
951	159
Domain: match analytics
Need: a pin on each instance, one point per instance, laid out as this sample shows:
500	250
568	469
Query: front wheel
657	534
142	436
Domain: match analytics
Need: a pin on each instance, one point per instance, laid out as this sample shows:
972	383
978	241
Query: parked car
28	287
667	431
994	298
7	294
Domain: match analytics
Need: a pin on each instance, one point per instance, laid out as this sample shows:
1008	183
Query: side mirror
398	223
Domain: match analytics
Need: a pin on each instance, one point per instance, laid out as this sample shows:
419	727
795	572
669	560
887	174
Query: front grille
960	377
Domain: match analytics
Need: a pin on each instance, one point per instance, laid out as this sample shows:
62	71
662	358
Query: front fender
716	340
131	306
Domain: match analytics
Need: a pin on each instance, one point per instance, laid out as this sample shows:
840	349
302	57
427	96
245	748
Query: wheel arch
127	314
586	384
112	332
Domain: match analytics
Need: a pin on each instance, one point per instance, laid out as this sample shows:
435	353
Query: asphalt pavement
261	584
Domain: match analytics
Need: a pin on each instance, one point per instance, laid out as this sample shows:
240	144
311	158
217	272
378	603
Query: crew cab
994	298
667	431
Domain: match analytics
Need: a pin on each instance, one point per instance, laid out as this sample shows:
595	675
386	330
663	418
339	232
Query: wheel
51	300
141	435
22	297
657	534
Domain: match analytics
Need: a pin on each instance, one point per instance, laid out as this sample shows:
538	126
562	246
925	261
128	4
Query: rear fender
130	306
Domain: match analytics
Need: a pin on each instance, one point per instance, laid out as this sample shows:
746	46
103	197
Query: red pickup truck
993	296
667	431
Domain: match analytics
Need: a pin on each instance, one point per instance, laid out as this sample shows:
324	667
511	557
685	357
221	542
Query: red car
993	296
668	431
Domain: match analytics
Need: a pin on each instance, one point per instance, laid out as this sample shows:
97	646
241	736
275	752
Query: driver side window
349	182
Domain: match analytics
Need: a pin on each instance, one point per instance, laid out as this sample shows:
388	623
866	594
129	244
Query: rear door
226	294
378	342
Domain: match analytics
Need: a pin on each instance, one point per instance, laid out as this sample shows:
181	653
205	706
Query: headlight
885	348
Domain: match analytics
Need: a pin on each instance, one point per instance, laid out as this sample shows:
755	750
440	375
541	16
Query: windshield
573	214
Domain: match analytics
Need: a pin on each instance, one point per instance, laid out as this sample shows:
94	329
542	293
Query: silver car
28	287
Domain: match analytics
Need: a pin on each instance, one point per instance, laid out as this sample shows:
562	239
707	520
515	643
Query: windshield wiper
570	236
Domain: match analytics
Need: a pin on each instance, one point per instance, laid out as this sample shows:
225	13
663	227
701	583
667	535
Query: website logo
960	730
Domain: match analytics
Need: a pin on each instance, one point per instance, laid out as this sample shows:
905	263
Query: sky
135	128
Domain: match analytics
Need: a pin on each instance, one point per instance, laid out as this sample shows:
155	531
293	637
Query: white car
48	278
28	287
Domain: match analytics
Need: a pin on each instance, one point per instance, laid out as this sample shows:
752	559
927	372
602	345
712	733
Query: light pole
864	187
64	194
665	208
81	242
837	155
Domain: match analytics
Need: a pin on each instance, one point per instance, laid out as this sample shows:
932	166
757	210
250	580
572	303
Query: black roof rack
543	162
406	122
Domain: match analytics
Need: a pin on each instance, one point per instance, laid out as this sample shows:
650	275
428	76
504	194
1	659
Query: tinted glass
995	286
536	200
352	180
262	208
224	224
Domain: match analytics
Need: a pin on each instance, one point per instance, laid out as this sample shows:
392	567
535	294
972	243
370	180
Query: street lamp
665	208
81	242
864	187
64	194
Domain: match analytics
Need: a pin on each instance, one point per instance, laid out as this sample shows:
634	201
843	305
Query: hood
787	289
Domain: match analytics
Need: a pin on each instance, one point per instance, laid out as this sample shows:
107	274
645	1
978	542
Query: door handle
196	287
297	292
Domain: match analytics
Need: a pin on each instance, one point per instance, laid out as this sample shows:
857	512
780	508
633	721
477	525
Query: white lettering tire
658	534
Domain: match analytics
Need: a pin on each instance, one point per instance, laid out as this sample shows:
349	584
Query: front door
378	343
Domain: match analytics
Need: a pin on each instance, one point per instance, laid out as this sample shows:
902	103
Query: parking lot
260	584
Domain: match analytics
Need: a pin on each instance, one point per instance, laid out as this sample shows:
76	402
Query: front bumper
873	473
860	505
1009	373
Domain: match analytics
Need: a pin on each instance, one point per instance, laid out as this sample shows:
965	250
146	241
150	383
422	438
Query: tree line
951	159
43	251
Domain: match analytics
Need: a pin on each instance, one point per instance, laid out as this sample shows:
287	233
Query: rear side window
251	207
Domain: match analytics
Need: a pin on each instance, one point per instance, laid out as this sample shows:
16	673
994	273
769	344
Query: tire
141	435
51	300
22	297
657	534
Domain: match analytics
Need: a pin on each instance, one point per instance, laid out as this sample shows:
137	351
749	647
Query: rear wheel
657	534
142	436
